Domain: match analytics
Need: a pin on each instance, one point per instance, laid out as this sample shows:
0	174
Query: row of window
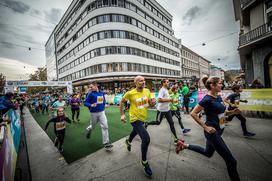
117	50
118	18
69	19
115	34
120	3
119	67
155	11
189	73
189	64
189	55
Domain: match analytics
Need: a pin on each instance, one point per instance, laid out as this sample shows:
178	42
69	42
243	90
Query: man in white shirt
163	109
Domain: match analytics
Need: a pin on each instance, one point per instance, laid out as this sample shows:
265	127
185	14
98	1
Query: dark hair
94	83
173	88
9	94
163	81
235	88
207	81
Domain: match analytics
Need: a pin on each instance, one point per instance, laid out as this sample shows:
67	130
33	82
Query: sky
25	26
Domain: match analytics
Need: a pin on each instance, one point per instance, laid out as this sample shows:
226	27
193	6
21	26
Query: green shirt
175	104
185	90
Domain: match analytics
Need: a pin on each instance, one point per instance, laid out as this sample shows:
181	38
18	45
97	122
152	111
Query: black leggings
138	128
214	142
169	119
77	111
242	120
60	139
176	113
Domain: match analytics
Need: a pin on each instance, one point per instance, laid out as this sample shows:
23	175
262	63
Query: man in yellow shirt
139	99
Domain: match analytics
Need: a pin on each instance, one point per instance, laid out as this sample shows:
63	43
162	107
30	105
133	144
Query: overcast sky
28	23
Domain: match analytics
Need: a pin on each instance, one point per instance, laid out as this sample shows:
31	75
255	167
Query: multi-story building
217	72
255	47
193	65
51	63
115	40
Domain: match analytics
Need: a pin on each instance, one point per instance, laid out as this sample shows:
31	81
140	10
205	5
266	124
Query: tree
38	75
2	82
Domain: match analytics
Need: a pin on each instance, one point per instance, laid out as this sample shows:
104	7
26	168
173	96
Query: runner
59	127
184	90
233	100
58	104
163	109
175	108
95	101
139	99
75	103
215	109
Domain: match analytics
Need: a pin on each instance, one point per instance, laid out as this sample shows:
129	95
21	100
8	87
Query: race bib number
221	120
100	99
142	102
60	126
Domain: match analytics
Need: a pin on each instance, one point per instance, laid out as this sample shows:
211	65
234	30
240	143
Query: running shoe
180	146
88	134
147	168
176	141
128	145
249	134
186	131
108	147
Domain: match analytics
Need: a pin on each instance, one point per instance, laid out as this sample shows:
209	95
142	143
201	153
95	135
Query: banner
10	147
258	99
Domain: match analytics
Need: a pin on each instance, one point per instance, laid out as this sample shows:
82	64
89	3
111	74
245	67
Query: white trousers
102	119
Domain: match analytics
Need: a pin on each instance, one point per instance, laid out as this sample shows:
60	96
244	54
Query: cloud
53	15
7	44
191	14
15	69
17	6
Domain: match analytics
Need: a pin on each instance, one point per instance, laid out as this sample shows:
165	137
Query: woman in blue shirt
215	110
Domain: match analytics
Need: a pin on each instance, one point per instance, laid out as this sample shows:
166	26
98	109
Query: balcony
257	34
246	3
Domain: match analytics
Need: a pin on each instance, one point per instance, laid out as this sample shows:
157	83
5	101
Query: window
103	68
148	18
124	67
141	13
132	7
121	3
148	6
103	51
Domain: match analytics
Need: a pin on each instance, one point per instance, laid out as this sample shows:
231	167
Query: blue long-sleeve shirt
97	98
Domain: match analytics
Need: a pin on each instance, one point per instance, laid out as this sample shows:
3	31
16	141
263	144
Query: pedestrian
163	109
175	108
95	101
184	91
59	127
215	109
139	99
234	100
75	107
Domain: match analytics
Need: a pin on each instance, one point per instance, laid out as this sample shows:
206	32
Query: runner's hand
93	105
209	129
123	118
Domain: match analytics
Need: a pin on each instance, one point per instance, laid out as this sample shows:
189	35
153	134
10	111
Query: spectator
6	104
256	84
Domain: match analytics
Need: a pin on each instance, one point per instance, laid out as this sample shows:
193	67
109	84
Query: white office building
115	40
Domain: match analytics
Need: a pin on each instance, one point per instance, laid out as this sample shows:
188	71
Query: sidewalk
254	156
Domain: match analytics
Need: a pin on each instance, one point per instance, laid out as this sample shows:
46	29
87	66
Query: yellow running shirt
138	104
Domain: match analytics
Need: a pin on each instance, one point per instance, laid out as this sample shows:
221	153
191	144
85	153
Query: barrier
10	147
258	99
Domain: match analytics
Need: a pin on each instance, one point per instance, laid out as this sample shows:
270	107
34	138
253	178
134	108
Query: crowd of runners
137	100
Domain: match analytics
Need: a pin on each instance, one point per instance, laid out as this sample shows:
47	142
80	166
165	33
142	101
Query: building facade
255	47
193	65
51	62
217	72
115	40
